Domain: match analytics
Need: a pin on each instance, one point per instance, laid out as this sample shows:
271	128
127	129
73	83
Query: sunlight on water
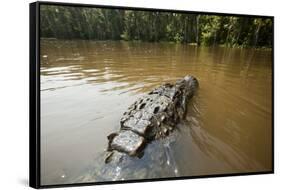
86	86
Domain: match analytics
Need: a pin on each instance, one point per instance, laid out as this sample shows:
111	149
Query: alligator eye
156	109
142	106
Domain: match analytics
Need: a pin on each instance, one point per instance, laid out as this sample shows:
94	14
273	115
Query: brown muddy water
86	86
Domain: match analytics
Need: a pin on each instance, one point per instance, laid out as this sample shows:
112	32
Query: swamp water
86	86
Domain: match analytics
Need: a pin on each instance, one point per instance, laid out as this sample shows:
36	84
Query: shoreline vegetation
63	22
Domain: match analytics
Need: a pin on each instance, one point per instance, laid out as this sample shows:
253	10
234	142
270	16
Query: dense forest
64	22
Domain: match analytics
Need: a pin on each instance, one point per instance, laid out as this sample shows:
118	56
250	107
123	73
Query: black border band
34	97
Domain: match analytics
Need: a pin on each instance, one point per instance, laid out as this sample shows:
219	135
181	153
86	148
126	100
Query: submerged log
151	117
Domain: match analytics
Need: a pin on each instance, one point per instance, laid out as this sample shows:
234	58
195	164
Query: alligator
153	116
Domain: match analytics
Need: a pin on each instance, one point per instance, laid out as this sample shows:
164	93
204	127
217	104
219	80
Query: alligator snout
191	81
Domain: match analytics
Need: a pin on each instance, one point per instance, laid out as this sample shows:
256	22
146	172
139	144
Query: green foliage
109	24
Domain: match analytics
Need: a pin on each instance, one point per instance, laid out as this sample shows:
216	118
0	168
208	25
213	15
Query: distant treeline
64	22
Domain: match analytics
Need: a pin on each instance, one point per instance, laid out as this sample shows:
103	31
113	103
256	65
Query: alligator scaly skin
151	117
